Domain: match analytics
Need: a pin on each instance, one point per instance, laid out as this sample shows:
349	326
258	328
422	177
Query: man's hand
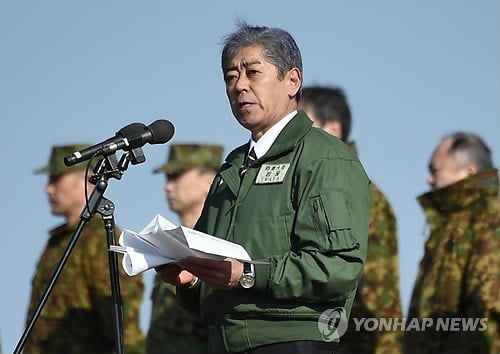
173	274
216	274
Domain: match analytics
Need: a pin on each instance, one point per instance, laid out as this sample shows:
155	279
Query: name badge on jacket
272	173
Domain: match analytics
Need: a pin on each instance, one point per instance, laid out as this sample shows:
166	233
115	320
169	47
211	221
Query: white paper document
162	242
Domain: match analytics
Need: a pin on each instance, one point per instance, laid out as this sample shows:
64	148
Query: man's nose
431	180
169	185
49	187
242	83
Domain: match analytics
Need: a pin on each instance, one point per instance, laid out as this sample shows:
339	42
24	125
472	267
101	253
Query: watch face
247	281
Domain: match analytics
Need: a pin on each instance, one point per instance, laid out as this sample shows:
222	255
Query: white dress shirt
264	143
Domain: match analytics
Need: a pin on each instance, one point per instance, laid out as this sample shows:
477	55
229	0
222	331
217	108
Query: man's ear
471	169
294	79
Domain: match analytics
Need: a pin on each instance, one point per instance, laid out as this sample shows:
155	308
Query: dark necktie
249	160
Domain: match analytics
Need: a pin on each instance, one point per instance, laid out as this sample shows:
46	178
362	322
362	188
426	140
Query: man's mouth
243	105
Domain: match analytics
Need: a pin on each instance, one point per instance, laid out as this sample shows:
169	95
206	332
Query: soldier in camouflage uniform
190	170
459	275
77	317
378	290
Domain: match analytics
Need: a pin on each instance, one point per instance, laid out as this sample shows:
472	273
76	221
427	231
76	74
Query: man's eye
252	72
230	77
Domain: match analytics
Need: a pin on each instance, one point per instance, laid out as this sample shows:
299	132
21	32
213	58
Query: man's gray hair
472	147
279	46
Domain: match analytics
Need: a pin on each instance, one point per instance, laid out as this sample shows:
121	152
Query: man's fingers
205	274
168	269
217	274
201	262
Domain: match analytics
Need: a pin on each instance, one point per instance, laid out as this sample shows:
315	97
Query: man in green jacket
378	290
77	317
296	198
457	291
189	171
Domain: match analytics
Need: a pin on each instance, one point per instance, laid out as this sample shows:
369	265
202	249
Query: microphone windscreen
131	130
162	131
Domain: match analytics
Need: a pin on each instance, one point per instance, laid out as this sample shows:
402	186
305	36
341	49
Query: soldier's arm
131	288
483	277
378	290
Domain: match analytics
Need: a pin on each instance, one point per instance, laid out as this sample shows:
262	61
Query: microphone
94	150
158	132
129	137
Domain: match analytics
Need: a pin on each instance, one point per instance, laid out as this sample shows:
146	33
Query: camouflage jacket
378	290
459	274
172	328
77	317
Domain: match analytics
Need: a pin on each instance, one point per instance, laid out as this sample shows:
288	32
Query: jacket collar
289	137
286	141
462	194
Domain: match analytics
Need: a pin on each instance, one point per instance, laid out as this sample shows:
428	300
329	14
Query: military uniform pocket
332	221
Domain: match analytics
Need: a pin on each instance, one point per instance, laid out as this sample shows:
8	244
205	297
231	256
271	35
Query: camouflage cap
183	157
56	161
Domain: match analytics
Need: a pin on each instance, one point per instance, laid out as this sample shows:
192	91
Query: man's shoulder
493	205
378	197
484	231
94	233
237	152
96	225
320	144
487	213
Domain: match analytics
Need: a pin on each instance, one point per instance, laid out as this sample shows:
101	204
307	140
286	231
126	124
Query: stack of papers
161	242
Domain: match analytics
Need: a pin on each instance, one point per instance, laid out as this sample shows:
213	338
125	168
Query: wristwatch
247	279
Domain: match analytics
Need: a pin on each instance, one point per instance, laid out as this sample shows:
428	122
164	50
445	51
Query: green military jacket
304	208
459	275
378	294
77	317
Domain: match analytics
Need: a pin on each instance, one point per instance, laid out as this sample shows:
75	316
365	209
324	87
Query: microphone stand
106	168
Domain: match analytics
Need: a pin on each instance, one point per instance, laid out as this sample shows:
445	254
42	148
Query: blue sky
79	71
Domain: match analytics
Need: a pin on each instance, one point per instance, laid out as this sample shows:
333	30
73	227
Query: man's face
66	192
445	168
332	127
187	190
257	97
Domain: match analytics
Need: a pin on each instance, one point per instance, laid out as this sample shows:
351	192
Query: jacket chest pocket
264	236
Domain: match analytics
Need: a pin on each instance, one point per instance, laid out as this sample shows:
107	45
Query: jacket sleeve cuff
263	276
